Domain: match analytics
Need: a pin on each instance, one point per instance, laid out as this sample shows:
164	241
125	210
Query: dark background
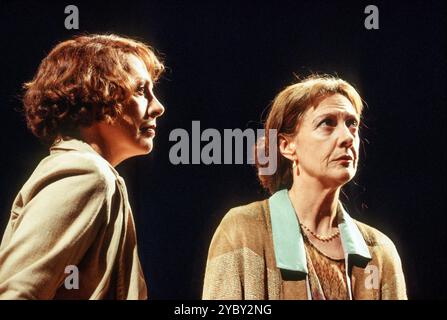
226	62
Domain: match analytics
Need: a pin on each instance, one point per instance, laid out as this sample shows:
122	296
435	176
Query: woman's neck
93	136
315	204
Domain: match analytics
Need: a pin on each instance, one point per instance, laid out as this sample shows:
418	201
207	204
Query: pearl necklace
320	237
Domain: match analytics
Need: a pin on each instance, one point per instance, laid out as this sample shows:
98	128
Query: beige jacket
258	252
70	224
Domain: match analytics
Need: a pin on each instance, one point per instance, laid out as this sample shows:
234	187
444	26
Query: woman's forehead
137	68
333	104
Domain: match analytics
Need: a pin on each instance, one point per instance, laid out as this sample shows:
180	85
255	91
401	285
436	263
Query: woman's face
133	132
327	141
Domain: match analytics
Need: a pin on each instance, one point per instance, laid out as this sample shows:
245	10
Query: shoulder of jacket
253	211
242	227
245	218
60	165
90	171
77	163
374	237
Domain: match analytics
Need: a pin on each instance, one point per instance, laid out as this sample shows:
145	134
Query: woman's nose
346	137
156	109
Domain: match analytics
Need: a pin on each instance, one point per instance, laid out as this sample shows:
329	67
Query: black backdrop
226	61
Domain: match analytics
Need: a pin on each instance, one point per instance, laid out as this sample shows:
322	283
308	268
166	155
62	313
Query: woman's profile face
327	141
134	130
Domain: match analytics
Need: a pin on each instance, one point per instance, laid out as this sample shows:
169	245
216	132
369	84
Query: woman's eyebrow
140	80
143	81
335	114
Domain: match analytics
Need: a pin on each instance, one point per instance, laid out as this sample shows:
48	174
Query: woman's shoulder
253	212
373	237
77	162
63	168
249	218
244	226
379	242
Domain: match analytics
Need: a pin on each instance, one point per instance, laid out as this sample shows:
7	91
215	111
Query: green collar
288	240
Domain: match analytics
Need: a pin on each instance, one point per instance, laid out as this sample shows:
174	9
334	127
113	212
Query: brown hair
81	81
287	109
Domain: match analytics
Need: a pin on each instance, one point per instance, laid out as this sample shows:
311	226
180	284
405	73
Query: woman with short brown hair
301	243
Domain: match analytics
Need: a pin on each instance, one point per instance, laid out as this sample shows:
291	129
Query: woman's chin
142	147
341	178
147	148
347	177
146	145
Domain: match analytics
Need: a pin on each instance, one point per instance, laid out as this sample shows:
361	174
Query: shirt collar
67	144
288	241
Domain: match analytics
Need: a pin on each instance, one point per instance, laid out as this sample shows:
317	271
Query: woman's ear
287	147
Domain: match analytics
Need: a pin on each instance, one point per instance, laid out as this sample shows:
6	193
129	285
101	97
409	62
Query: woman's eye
326	123
352	123
140	90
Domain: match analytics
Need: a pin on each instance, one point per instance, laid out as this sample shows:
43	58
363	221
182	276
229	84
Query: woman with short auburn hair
71	233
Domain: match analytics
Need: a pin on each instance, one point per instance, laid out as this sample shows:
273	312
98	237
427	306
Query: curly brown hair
81	81
287	109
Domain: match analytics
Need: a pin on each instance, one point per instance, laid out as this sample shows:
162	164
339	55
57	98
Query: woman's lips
344	158
148	130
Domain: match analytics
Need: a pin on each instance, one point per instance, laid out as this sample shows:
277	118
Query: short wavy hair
287	109
83	80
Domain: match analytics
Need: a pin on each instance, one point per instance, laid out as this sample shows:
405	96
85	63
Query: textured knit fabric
329	274
241	262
